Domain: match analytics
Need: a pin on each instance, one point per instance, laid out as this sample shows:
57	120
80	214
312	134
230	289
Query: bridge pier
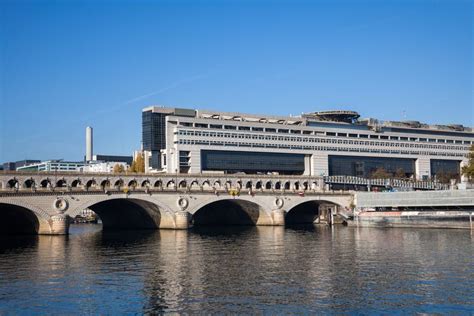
59	225
278	217
182	220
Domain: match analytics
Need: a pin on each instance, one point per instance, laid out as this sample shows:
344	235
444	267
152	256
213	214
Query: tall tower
89	143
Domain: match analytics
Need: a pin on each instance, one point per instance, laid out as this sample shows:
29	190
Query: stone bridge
44	203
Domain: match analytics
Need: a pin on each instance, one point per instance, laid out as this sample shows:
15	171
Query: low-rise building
53	165
101	167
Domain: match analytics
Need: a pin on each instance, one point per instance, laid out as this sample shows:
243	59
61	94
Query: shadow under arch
127	214
306	212
228	212
18	220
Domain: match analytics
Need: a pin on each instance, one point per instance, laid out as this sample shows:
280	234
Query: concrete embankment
440	209
431	219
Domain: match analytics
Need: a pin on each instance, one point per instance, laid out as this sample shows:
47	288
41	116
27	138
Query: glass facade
154	135
365	166
447	167
252	162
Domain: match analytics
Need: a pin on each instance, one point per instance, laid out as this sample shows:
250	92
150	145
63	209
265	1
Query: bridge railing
150	190
394	183
155	175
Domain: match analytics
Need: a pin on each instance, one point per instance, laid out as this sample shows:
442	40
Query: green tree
380	173
468	170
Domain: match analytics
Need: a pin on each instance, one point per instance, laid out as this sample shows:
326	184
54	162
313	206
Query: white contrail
141	97
172	86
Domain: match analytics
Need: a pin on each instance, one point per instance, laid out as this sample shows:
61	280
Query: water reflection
238	270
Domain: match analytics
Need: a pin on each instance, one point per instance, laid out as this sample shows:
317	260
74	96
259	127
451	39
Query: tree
445	177
138	164
400	174
118	168
380	173
468	170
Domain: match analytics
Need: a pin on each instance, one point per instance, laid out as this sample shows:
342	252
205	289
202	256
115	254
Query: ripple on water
239	270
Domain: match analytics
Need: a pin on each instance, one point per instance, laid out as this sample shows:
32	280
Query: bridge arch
29	183
61	183
12	183
76	183
127	213
104	184
132	184
182	184
308	210
229	211
278	185
194	184
91	183
22	218
45	183
158	184
268	185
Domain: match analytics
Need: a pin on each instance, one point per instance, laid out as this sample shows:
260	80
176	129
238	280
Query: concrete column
308	170
464	163
423	168
278	217
182	220
195	161
146	158
59	224
320	164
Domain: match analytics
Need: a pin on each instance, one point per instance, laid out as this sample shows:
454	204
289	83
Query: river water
245	270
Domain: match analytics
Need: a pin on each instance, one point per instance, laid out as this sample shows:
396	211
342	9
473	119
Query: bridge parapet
395	183
419	199
17	181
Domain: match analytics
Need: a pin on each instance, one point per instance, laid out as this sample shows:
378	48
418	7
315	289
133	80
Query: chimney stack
89	143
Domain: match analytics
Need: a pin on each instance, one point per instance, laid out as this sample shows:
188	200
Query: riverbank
429	219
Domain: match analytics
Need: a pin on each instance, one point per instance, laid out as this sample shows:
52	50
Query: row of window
317	140
306	132
316	148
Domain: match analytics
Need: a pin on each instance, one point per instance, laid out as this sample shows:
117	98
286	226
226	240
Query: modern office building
319	143
112	159
53	165
12	166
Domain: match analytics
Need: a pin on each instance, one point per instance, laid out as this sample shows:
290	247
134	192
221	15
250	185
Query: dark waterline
239	270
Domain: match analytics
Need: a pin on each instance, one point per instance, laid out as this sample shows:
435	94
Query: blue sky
68	64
